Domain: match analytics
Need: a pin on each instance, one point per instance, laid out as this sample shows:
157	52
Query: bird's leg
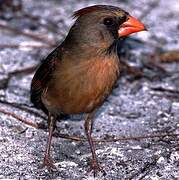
47	159
88	130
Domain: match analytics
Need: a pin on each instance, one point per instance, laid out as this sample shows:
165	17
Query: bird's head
100	25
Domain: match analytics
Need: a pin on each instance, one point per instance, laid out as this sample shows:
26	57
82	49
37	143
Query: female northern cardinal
80	73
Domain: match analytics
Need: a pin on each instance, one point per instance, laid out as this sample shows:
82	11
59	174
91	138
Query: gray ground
133	109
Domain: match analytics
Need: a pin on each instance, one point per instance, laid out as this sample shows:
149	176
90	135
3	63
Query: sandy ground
133	109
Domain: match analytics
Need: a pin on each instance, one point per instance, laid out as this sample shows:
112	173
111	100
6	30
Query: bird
80	73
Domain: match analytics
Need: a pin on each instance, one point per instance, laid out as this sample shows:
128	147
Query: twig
151	64
19	118
165	89
146	168
115	139
75	138
19	106
27	34
25	71
169	56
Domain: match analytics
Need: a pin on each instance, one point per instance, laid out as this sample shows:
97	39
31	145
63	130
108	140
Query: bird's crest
90	9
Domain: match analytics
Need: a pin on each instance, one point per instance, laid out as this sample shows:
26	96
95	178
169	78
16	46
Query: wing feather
42	77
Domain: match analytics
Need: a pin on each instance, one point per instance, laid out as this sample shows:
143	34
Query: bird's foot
96	168
48	162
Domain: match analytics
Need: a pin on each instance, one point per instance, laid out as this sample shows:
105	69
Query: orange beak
132	25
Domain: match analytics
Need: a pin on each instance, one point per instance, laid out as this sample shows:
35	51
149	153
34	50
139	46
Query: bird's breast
81	87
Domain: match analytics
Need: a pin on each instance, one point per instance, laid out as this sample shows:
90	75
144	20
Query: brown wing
42	76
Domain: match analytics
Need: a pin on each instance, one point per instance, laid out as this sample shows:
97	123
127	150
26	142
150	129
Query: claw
48	162
96	168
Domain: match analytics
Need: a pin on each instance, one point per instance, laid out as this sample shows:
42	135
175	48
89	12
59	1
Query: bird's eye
108	21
